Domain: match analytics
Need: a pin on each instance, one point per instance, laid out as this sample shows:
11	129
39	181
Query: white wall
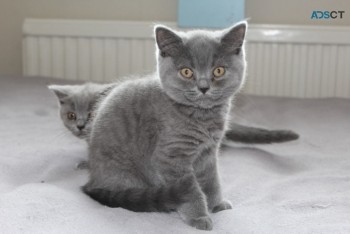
13	12
295	11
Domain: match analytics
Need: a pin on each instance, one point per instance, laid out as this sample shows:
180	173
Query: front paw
224	205
202	223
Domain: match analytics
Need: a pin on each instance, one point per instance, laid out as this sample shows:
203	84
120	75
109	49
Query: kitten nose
80	127
204	90
203	85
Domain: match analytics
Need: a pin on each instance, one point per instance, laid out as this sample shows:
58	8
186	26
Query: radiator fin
296	62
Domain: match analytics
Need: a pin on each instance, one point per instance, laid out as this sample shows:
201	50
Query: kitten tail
252	135
151	199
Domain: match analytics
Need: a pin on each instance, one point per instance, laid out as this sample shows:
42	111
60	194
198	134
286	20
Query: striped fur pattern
149	199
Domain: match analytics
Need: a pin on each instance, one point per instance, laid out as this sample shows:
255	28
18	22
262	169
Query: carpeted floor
296	187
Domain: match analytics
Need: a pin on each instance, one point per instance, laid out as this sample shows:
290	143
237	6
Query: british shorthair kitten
77	104
154	142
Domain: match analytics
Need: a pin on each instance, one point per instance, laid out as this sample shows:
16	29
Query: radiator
292	61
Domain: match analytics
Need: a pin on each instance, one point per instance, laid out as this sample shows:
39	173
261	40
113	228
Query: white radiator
294	61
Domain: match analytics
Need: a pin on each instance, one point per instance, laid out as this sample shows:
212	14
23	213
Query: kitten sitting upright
154	142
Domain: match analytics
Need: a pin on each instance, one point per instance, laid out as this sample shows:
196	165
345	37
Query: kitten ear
233	38
61	91
169	43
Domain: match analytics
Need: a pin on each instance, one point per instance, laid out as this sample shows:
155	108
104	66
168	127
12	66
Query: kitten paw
202	223
83	165
224	205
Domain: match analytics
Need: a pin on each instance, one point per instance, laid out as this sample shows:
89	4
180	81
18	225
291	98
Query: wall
295	11
13	12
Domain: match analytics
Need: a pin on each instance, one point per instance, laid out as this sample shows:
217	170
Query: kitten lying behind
77	103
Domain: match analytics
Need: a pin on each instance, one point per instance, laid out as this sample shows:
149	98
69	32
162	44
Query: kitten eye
218	72
186	72
90	115
71	116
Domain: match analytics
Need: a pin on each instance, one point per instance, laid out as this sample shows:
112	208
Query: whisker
59	135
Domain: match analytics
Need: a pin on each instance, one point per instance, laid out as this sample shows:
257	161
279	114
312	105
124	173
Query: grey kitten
77	103
85	97
154	142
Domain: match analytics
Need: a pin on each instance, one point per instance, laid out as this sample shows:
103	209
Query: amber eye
218	72
186	72
71	116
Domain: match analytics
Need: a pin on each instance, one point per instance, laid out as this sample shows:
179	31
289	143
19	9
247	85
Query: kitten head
76	106
201	68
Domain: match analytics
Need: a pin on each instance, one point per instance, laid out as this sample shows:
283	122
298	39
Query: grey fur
254	135
80	100
87	96
151	135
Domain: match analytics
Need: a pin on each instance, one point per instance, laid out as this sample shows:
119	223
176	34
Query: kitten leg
193	207
208	178
194	211
212	190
